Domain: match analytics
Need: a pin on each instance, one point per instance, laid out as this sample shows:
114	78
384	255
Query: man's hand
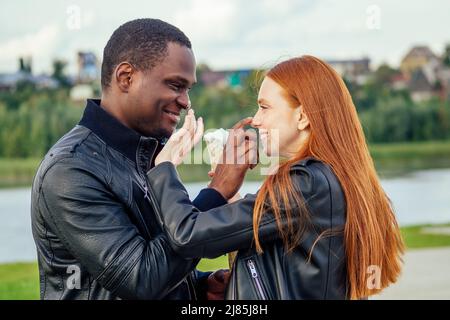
182	142
217	283
240	154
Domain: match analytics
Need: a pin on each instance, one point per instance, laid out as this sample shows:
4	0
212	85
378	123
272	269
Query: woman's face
283	128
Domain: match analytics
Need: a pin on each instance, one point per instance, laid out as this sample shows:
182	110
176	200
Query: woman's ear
303	121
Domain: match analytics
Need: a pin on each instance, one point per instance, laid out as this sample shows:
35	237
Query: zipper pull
259	287
146	193
251	265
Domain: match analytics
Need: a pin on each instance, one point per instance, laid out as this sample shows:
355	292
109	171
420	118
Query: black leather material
275	274
92	218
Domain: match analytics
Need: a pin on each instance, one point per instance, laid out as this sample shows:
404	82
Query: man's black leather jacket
93	223
316	269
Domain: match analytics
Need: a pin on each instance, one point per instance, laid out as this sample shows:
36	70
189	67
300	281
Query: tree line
32	120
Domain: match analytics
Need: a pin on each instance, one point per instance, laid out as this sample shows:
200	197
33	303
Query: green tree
59	72
446	56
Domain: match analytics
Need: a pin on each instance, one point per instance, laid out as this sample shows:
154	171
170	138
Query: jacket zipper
154	203
146	192
191	287
256	278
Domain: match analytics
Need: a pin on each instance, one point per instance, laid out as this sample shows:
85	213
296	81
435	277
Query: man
96	233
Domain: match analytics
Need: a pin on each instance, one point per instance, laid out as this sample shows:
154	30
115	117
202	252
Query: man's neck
111	106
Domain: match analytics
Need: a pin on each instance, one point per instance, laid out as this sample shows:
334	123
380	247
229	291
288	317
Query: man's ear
123	75
303	121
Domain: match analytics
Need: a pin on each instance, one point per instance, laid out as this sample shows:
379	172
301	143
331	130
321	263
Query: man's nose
184	101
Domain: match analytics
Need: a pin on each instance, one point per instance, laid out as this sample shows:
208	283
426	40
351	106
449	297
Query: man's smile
173	114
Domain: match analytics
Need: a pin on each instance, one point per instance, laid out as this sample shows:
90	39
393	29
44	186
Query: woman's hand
182	142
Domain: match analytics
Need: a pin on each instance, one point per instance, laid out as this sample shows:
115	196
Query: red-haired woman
321	227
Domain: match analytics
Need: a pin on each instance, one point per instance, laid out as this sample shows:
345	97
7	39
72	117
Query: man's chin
163	133
160	134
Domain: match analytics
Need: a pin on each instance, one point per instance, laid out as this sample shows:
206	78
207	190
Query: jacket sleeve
209	198
94	227
194	233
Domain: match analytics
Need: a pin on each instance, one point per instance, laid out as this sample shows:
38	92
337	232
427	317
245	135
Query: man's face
157	96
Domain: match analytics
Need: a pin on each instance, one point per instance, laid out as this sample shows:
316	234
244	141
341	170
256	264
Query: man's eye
175	86
263	107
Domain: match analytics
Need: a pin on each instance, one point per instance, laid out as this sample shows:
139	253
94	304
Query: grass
415	238
20	281
17	172
400	158
213	264
410	150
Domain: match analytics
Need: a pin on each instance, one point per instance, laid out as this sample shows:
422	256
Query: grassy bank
17	172
419	236
21	280
400	158
410	150
390	159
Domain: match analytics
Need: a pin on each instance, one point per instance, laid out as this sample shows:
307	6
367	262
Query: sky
228	34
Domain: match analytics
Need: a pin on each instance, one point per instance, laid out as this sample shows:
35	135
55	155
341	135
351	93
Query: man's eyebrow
180	79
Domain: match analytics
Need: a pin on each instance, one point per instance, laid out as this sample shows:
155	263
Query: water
419	197
16	240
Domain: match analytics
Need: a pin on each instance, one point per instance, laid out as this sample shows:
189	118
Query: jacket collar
135	147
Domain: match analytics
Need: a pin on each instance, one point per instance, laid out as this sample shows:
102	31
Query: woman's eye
263	107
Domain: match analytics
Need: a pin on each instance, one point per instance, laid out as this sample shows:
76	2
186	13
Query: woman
322	226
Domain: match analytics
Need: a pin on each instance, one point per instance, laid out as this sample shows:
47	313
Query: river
418	197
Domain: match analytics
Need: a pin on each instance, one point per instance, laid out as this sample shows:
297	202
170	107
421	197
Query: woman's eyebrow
263	101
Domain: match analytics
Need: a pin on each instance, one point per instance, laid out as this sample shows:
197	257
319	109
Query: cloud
232	33
207	22
39	45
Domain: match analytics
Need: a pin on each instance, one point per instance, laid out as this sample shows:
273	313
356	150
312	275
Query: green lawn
20	281
415	238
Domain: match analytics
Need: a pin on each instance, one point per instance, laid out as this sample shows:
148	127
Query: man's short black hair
142	42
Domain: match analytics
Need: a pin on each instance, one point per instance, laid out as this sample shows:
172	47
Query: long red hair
371	234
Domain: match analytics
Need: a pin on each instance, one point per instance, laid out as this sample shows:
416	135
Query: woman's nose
256	122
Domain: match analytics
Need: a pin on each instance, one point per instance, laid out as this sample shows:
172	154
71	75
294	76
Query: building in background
354	70
357	70
88	67
10	81
87	82
419	57
426	74
226	78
